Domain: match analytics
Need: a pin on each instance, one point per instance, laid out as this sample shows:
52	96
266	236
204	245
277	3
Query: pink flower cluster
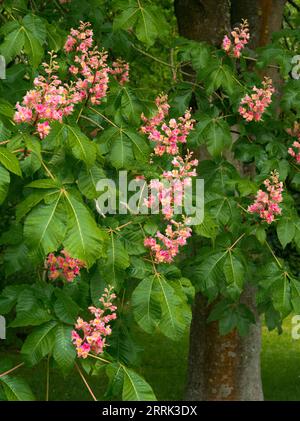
296	154
266	204
253	106
166	136
168	191
295	131
120	70
239	38
90	69
96	330
63	266
50	100
166	246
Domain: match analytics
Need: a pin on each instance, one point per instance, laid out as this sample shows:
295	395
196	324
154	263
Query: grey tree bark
226	367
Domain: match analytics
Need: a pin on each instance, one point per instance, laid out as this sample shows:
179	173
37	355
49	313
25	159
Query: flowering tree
81	114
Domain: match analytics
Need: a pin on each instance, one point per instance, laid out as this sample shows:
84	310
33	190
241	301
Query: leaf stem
11	370
104	117
273	254
85	382
47	170
100	359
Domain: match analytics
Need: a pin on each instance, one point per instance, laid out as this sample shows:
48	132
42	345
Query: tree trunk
225	367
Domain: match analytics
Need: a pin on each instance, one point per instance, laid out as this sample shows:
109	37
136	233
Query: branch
292	3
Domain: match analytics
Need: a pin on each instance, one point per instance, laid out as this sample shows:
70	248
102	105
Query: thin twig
11	370
86	383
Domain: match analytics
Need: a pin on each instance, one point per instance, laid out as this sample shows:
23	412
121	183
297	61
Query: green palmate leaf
13	44
221	76
40	342
46	183
121	153
35	316
84	240
291	95
282	296
4	133
56	137
113	268
117	255
33	48
35	35
30	311
16	388
6	108
65	308
208	228
55	37
32	200
135	388
146	304
140	148
82	148
218	137
208	273
286	231
144	20
9	161
122	346
64	351
9	296
4	183
146	28
45	227
234	273
36	26
174	319
126	19
88	179
131	107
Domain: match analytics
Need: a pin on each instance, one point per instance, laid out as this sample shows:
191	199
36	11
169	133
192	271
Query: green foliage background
41	214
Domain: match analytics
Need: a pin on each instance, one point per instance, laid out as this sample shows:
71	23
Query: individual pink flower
95	331
253	106
266	203
43	129
239	38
